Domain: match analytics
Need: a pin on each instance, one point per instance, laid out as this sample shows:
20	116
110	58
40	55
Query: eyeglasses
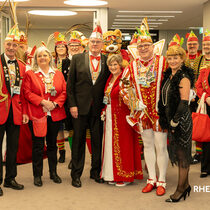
95	42
12	45
206	45
145	46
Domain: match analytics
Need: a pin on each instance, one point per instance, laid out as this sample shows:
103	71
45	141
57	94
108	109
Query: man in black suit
85	89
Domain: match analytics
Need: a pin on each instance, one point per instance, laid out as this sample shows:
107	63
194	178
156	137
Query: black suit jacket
80	90
65	67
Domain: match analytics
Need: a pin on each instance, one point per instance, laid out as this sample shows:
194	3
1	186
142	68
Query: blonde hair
35	65
176	50
115	57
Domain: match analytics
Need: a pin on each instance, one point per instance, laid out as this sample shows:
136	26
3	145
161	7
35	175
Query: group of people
150	97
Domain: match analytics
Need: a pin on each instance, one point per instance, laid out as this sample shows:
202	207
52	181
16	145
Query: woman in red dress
121	160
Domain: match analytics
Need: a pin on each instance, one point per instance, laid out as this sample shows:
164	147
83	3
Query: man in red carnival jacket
11	107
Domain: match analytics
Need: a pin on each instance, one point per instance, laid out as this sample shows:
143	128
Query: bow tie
95	57
11	62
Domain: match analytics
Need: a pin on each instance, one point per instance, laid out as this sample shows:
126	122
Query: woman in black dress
175	116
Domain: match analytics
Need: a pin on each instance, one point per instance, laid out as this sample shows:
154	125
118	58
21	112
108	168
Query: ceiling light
126	28
140	20
150	11
16	0
85	2
118	25
52	12
134	23
142	16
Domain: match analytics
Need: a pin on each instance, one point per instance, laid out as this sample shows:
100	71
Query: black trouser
78	144
12	132
38	148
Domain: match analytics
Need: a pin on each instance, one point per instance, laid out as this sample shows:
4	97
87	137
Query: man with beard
192	49
203	60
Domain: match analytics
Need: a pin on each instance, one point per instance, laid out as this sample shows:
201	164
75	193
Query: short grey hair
115	57
35	65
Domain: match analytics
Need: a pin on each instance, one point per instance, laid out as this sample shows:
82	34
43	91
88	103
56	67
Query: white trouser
155	141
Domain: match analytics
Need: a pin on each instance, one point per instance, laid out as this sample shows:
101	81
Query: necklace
146	74
166	92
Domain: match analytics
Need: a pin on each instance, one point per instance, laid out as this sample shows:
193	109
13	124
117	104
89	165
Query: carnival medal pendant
105	100
53	92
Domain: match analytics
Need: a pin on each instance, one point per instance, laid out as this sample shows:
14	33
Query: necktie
95	57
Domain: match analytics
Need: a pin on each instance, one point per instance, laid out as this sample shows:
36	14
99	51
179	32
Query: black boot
62	156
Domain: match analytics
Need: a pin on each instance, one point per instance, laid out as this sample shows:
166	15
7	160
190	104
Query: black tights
183	176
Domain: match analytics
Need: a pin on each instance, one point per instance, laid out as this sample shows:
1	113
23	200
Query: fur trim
174	98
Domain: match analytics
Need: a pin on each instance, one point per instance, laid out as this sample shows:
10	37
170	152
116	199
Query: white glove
192	95
140	106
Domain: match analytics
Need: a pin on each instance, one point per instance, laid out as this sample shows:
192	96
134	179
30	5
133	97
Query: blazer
66	67
81	91
16	101
33	96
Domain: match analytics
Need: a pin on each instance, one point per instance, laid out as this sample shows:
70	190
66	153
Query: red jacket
202	84
16	100
33	96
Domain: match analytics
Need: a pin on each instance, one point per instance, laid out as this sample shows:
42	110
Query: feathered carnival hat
191	37
134	38
97	32
75	37
59	38
143	32
13	34
206	36
23	38
176	41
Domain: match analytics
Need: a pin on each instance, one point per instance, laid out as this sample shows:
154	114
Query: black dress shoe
62	156
97	179
203	174
13	184
38	181
76	182
1	192
55	178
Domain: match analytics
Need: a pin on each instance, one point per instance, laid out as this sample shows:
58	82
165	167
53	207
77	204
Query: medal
16	90
53	91
105	100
